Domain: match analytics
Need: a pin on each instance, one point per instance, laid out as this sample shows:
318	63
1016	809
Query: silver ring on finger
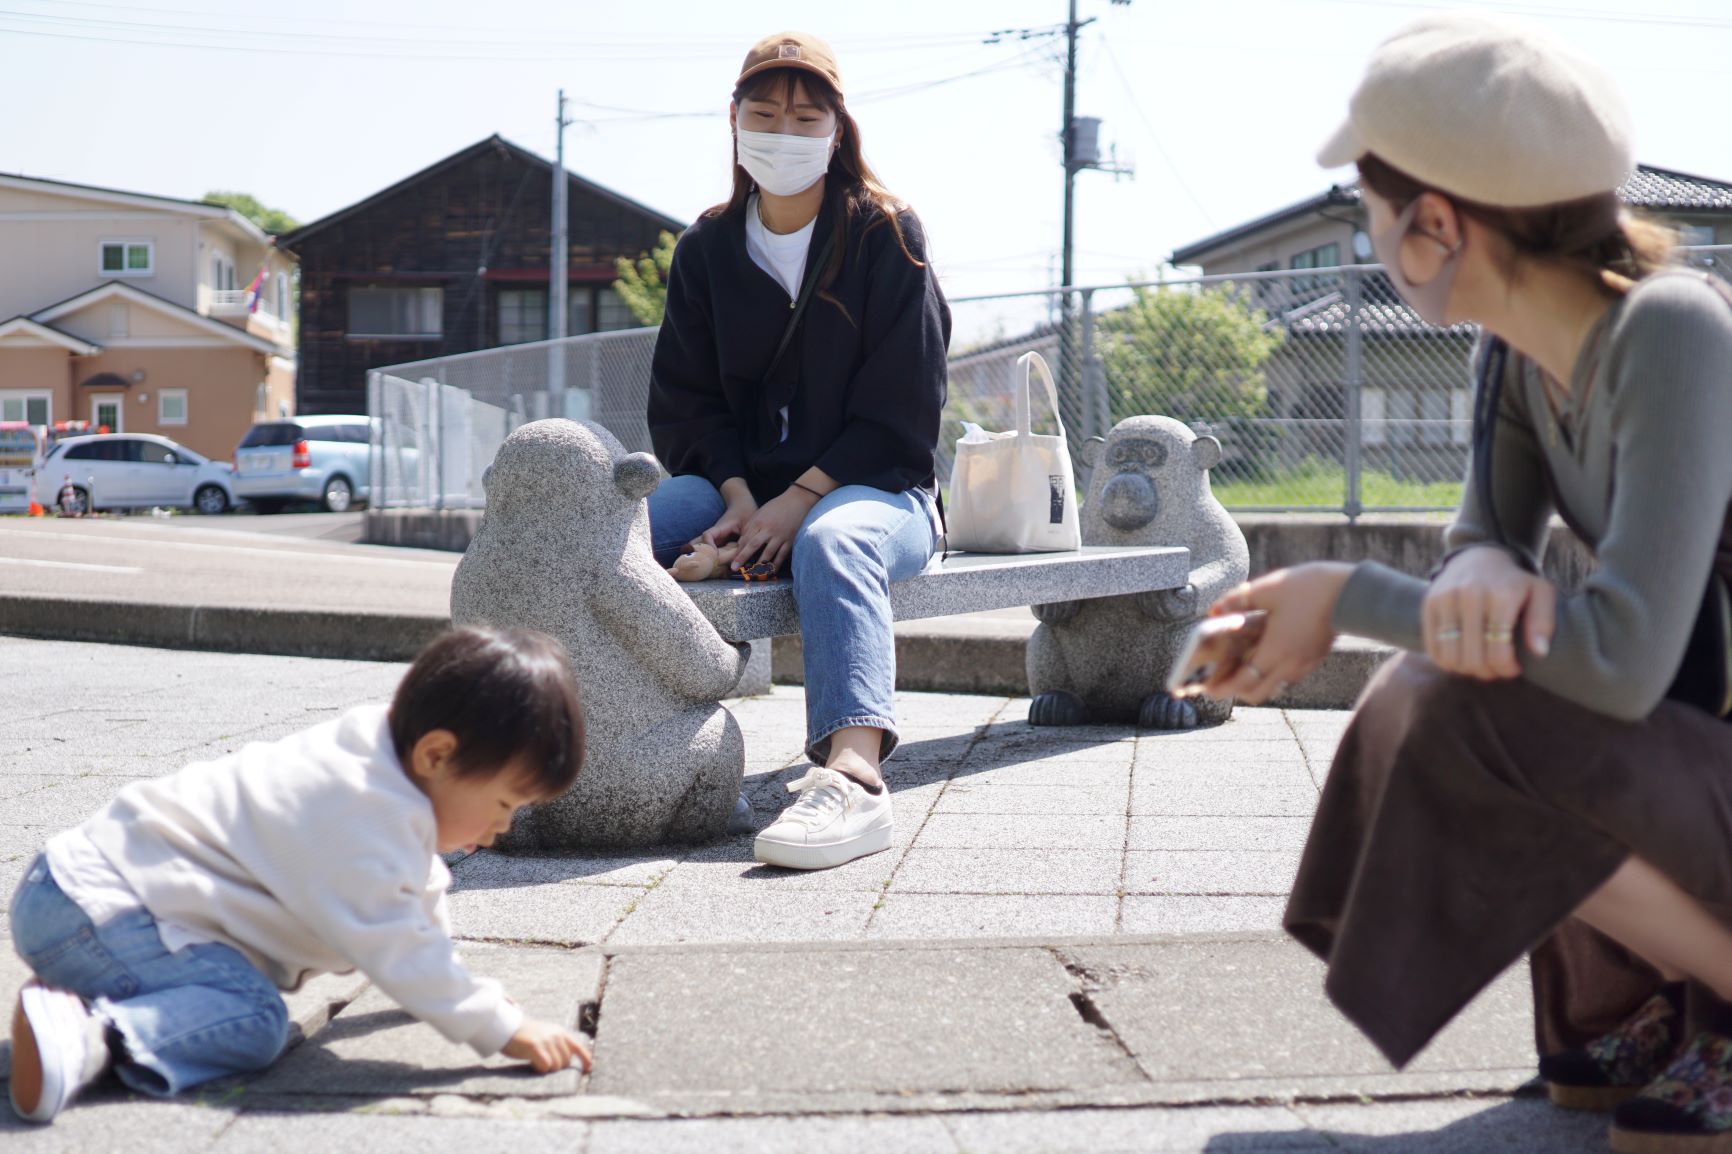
1254	671
1448	634
1499	636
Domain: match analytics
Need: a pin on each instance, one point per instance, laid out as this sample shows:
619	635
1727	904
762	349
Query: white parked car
132	471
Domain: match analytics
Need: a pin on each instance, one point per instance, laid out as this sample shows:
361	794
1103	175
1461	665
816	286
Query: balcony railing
225	301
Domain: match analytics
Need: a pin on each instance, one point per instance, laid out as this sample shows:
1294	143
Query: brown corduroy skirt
1462	824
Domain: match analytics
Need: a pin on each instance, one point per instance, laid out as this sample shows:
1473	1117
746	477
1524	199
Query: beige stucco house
132	312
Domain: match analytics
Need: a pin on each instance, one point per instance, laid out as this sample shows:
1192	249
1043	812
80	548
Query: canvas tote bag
1014	492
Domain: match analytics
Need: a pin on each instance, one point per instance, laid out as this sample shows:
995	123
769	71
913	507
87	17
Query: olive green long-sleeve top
1638	454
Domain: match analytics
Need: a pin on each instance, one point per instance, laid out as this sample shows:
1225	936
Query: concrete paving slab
1246	724
1265	1029
950	916
1164	799
1456	1126
263	1132
1053	772
699	914
1141	914
848	1134
110	1118
374	1049
1201	1130
1266	834
1164	756
561	913
486	870
934	749
1210	872
1025	830
1008	871
707	1027
982	794
1021	744
731	866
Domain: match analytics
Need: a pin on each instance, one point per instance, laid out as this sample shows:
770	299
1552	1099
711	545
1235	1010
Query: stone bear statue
1107	659
565	548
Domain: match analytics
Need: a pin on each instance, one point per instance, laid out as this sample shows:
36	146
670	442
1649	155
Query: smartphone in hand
1216	647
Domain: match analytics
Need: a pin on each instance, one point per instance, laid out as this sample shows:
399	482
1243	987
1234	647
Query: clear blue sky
1220	104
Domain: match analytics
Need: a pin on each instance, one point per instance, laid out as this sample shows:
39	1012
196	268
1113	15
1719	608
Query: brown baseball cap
792	50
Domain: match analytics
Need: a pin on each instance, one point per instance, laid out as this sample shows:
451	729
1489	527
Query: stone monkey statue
1107	659
565	548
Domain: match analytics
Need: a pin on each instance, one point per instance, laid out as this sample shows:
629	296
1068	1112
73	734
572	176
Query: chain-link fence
1327	393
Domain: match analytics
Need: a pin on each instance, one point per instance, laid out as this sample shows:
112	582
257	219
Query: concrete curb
984	655
350	636
990	657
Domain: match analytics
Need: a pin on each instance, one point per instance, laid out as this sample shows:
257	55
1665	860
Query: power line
202	23
1557	11
1154	138
628	115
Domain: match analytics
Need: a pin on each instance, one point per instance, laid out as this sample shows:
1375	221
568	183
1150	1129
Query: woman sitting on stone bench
795	396
1541	769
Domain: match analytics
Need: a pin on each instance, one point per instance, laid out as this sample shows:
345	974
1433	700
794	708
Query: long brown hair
1596	233
859	193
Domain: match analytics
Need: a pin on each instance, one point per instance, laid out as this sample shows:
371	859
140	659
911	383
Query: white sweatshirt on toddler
313	854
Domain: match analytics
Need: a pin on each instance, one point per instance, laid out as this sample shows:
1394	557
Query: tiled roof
1662	189
1656	189
1327	315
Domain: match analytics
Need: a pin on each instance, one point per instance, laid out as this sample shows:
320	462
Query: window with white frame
522	316
1461	412
1373	410
171	406
402	313
1323	256
283	296
126	258
31	407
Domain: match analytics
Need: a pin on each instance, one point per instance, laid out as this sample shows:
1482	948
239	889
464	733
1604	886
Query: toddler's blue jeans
178	1018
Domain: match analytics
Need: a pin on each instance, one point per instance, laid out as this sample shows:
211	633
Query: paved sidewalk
1072	946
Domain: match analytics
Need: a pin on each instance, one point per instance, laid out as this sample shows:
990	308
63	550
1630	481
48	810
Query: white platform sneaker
834	821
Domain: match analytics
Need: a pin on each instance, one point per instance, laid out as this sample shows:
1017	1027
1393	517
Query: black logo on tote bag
1056	482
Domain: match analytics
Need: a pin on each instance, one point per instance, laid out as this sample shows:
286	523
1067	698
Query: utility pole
1068	136
1080	139
559	250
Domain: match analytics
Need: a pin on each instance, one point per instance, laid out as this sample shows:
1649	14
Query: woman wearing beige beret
1542	773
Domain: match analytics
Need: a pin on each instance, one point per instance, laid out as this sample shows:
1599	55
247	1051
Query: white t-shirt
782	255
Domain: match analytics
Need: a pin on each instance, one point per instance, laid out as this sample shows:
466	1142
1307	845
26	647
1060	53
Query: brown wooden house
452	259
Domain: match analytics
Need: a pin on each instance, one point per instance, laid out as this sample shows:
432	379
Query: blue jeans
176	1019
850	547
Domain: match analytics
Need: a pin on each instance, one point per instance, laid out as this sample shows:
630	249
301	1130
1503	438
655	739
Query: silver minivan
322	459
131	471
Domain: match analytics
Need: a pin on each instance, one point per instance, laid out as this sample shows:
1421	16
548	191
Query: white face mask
781	163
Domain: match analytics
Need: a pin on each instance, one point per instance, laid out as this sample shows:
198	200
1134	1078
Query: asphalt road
299	561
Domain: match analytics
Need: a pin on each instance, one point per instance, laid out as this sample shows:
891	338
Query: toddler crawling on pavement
161	930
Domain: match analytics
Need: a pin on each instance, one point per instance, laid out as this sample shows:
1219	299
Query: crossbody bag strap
814	270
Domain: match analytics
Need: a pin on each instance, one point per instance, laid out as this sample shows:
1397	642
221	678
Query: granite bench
564	547
959	583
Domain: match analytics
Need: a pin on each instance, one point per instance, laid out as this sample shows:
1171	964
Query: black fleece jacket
863	387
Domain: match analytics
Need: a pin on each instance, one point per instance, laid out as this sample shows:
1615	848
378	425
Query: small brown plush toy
702	561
